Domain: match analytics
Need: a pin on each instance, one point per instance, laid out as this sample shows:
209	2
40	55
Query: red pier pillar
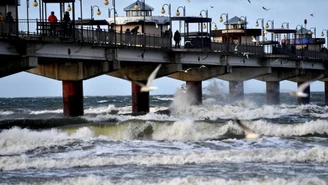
194	90
140	100
305	100
273	92
73	98
236	90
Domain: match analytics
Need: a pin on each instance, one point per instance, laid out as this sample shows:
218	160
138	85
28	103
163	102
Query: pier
133	45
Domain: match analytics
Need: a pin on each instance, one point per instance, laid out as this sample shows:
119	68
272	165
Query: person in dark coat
177	39
67	24
135	30
9	22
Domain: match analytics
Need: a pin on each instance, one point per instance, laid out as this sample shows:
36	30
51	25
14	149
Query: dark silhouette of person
128	36
67	24
135	30
98	28
177	39
10	22
52	19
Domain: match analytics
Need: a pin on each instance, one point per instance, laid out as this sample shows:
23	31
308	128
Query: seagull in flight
212	6
188	1
266	9
246	54
299	92
147	87
249	1
186	71
202	66
249	134
312	14
236	48
254	39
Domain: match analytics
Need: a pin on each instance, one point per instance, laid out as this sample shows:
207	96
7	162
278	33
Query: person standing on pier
177	39
52	19
66	24
10	22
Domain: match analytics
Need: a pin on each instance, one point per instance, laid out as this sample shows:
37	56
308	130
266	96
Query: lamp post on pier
98	11
272	26
323	34
110	12
115	15
177	13
299	36
215	26
136	7
203	26
287	26
285	23
163	12
314	31
206	13
241	21
262	25
227	27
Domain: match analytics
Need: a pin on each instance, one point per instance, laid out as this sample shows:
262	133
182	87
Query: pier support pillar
273	92
236	90
140	100
305	100
73	98
326	93
194	91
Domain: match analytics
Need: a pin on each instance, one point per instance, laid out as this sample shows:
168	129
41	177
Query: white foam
5	113
102	101
17	140
96	180
164	98
100	110
58	111
270	155
285	130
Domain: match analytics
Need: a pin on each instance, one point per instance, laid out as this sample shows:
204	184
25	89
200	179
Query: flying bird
188	1
147	87
186	71
249	1
202	66
246	54
249	134
212	6
236	48
312	14
254	39
266	9
299	92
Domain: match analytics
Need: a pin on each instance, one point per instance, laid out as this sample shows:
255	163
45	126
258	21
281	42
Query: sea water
176	143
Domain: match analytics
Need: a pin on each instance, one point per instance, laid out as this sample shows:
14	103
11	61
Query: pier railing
36	29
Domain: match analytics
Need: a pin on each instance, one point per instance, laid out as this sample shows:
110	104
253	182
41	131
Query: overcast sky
293	11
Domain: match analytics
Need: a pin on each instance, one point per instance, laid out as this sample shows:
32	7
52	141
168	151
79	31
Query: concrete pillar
194	90
73	98
305	100
273	92
236	90
326	93
140	100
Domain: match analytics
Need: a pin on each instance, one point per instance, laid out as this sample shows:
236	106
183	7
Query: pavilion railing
107	38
